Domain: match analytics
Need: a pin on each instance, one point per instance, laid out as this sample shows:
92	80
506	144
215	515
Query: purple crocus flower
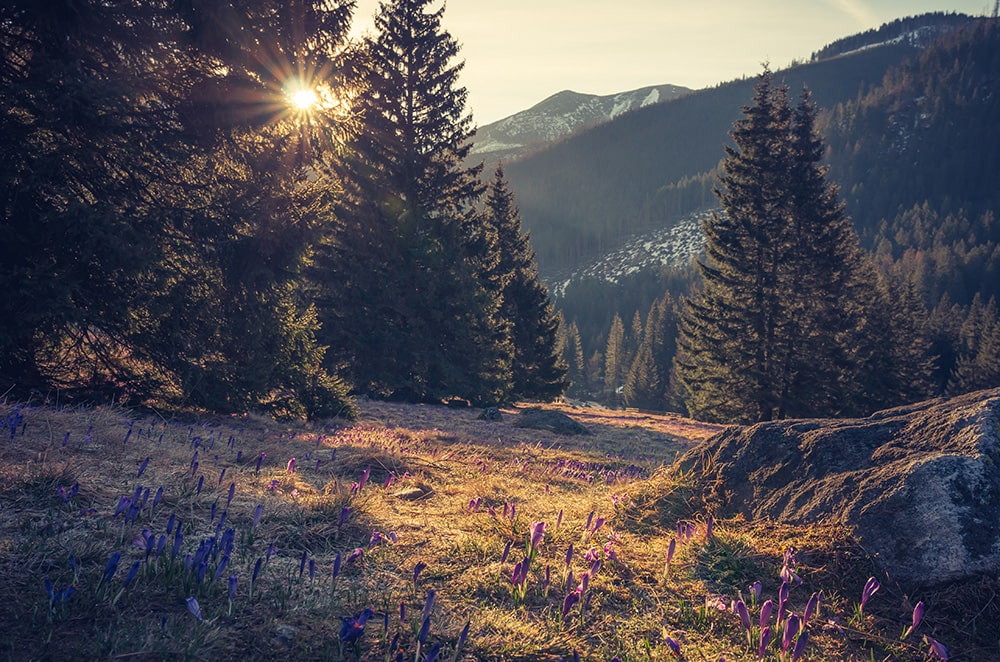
559	519
290	468
417	569
506	552
741	611
871	586
671	549
800	646
674	646
232	492
302	562
571	599
812	608
708	528
352	629
428	605
178	539
260	459
463	635
222	474
157	497
756	589
537	534
355	555
201	483
569	555
111	566
345	512
918	614
519	574
232	587
257	512
256	569
336	565
194	608
765	613
132	573
142	467
938	651
364	478
791	629
312	569
590	518
765	639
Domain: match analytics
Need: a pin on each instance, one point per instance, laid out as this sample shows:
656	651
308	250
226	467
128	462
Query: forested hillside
915	157
581	197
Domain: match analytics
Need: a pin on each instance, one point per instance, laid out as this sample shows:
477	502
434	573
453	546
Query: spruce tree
539	372
726	360
613	351
406	302
768	334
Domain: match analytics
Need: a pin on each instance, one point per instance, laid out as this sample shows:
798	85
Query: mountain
559	116
584	196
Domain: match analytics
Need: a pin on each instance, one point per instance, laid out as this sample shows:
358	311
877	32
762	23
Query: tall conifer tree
539	371
765	336
409	311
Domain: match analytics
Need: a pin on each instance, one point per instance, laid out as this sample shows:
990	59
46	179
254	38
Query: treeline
233	207
919	31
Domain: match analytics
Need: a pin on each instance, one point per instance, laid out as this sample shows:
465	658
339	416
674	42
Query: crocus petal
800	646
741	611
791	629
765	639
194	608
918	614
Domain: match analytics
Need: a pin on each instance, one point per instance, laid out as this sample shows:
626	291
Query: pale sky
518	52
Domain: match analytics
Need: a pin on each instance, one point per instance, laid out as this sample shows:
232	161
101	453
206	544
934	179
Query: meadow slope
415	533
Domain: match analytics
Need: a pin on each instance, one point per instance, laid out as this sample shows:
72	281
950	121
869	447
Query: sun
303	99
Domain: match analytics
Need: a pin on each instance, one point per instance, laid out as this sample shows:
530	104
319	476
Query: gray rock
919	485
553	421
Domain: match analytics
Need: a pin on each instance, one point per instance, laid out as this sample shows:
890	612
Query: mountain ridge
560	115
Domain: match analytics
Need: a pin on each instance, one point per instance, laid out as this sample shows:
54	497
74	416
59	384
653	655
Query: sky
519	52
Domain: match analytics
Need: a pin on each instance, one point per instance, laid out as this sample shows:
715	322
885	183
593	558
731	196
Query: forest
233	207
911	160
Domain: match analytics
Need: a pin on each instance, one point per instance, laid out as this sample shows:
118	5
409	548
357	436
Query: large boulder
546	419
919	485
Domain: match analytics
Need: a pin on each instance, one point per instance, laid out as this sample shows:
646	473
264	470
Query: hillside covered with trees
912	159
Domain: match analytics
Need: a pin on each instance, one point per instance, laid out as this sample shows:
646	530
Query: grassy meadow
416	533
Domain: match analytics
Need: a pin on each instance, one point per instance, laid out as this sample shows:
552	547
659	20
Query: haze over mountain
559	116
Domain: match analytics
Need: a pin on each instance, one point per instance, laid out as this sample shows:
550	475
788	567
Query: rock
414	493
919	485
553	421
490	414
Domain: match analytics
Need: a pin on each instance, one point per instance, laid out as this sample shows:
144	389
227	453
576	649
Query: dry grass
426	465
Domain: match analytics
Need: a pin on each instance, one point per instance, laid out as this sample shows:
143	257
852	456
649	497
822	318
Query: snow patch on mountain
559	116
666	247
